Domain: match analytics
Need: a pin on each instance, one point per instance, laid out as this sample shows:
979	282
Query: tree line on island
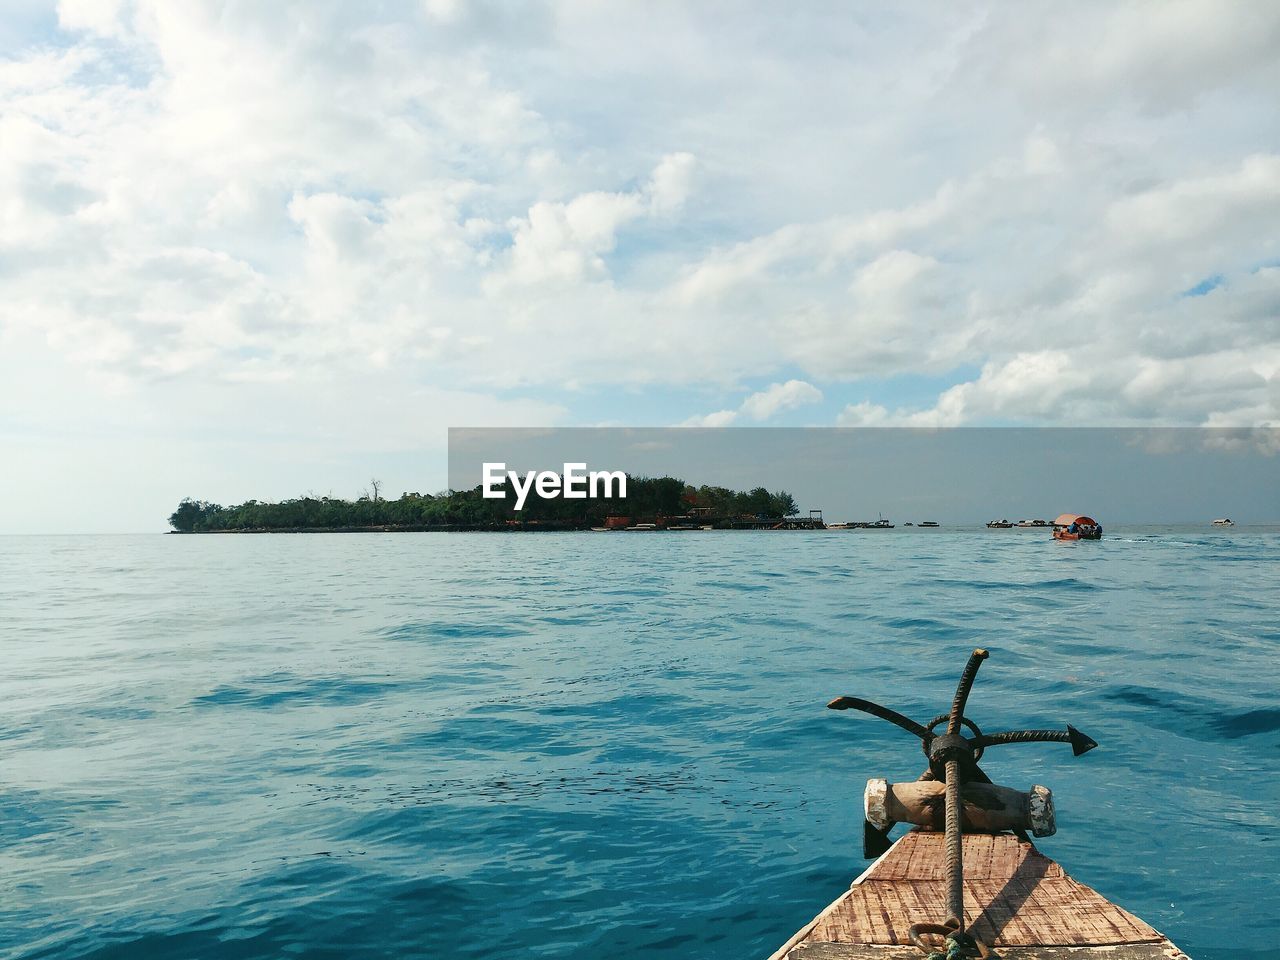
663	501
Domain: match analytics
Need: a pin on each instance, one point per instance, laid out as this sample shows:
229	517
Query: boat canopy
1067	519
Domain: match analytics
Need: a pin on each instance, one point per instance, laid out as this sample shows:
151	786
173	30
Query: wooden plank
986	857
1014	897
803	933
1136	951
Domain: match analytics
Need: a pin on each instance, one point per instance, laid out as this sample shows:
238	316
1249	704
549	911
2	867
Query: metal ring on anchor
973	727
918	931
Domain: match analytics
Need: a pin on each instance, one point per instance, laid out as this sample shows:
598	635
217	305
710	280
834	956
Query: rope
961	946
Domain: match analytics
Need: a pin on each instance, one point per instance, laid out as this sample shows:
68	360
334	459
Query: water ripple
579	746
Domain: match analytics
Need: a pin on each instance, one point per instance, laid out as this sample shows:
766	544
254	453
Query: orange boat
1076	526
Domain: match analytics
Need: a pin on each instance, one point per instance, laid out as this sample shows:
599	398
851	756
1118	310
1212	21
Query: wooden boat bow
1003	897
1018	901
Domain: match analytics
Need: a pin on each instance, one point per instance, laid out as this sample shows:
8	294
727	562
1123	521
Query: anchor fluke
884	713
1080	742
875	842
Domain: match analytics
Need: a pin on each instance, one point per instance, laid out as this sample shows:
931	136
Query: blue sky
249	250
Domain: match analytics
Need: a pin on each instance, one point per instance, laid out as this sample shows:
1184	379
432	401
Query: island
652	503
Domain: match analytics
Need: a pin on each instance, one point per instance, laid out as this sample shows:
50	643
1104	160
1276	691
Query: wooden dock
1017	900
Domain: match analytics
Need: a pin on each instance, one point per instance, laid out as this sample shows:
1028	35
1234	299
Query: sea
605	745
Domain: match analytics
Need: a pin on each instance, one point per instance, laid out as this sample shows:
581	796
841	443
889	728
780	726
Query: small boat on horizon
881	524
1224	522
928	523
1032	523
999	524
1076	526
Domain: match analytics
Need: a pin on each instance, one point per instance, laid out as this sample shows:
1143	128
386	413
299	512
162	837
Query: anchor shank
955	849
963	688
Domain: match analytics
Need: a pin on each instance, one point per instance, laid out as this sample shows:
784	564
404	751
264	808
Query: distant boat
910	524
928	523
840	525
1032	523
881	524
1224	522
643	527
999	524
1076	526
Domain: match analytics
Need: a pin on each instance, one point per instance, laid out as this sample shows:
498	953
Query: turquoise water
587	745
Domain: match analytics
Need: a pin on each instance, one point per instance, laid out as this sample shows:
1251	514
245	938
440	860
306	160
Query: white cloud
720	418
566	242
778	397
763	405
1201	219
1155	55
383	192
671	183
864	414
101	17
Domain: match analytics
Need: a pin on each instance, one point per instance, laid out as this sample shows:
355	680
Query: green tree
193	515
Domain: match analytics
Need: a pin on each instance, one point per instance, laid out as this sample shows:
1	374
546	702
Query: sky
257	250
